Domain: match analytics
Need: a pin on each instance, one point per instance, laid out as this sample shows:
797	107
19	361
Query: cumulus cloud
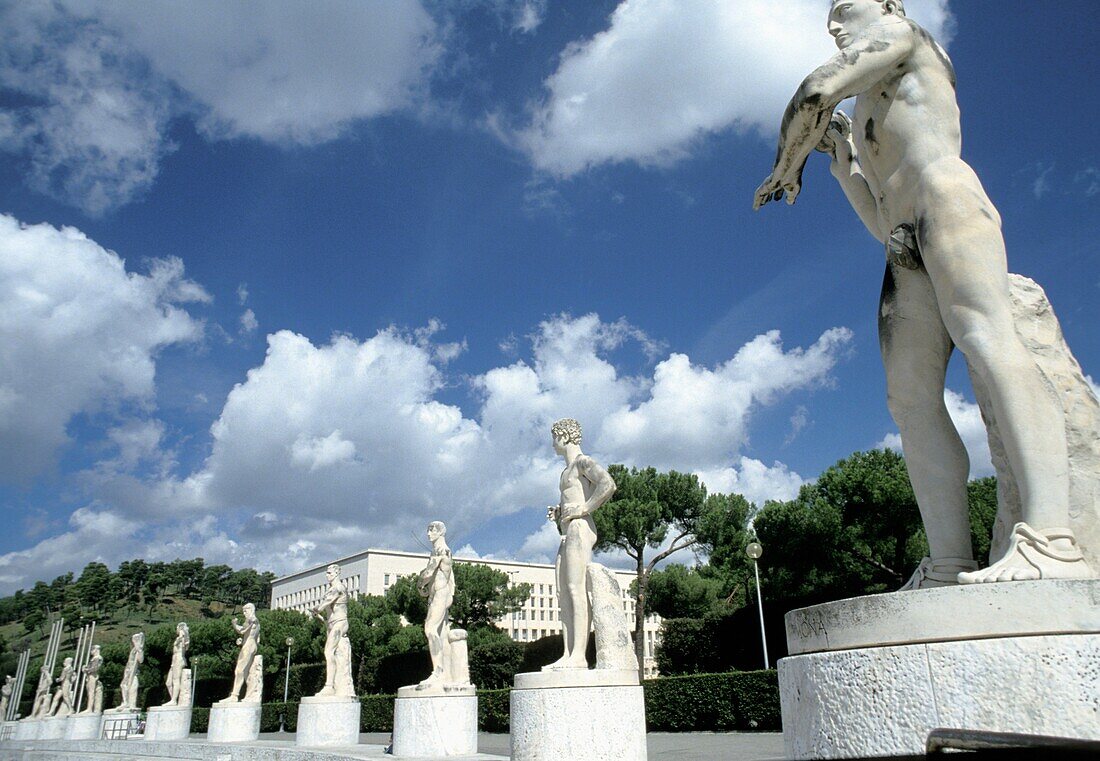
104	80
79	334
668	72
327	448
967	417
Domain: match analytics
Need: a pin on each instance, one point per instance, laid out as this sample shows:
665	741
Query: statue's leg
960	238
578	552
915	351
565	605
433	629
331	641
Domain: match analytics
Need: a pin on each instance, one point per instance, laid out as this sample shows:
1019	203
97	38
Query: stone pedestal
27	729
52	728
874	675
234	723
435	726
168	723
582	715
84	726
328	721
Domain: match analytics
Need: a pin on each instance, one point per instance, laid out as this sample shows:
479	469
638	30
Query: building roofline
376	551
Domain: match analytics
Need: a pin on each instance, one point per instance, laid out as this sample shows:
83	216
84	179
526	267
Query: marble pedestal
872	676
168	723
83	726
117	724
27	729
582	715
328	721
435	726
52	728
234	722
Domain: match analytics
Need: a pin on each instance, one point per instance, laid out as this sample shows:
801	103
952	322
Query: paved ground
673	746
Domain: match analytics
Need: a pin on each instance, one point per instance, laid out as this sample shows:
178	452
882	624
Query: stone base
52	728
168	723
83	726
588	723
27	729
234	722
436	691
534	680
328	721
432	727
884	701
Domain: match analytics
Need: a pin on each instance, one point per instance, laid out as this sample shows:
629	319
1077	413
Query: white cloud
106	78
326	449
78	333
967	417
668	72
754	480
249	323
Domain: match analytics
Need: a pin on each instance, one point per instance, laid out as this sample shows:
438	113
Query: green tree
647	508
680	592
93	586
482	595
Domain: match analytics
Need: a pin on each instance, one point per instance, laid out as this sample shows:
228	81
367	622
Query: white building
371	572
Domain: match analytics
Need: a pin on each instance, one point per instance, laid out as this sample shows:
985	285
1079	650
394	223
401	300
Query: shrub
377	713
493	710
734	701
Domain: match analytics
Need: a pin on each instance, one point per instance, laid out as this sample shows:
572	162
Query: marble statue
333	610
130	683
447	646
585	486
42	698
249	640
5	695
177	680
93	688
63	699
614	645
946	285
254	685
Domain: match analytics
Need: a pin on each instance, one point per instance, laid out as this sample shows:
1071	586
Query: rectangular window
386	580
542	615
551	588
541	589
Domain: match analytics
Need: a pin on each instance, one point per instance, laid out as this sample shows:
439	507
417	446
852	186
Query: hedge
733	701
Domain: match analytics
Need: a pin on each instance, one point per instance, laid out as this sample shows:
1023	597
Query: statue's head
95	650
436	529
138	640
182	628
565	431
332	572
67	663
849	18
249	609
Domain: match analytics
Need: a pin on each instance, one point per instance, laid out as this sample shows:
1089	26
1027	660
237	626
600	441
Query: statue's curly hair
568	429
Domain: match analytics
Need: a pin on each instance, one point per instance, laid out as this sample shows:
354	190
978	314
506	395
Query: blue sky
283	281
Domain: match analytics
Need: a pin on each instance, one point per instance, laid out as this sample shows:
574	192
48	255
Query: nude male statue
585	486
93	688
174	682
946	284
436	582
5	696
131	675
62	704
249	640
337	646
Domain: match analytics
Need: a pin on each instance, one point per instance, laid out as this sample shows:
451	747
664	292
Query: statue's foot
566	662
432	681
941	572
327	691
1049	554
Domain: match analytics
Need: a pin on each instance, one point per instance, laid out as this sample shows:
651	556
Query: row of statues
62	702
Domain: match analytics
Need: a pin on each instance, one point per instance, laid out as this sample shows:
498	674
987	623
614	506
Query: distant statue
585	486
946	285
447	646
93	688
333	610
130	682
178	672
249	640
5	696
62	704
42	698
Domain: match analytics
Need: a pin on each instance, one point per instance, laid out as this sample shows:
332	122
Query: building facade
372	572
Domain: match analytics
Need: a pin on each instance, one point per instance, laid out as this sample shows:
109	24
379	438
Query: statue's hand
838	133
773	189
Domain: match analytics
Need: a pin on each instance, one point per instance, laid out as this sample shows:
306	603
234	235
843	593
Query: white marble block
328	721
234	723
84	726
875	675
431	727
27	729
578	723
52	728
168	723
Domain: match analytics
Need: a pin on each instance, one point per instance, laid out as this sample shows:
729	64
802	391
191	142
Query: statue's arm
850	72
845	168
603	486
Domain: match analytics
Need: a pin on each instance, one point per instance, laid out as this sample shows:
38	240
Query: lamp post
754	551
286	685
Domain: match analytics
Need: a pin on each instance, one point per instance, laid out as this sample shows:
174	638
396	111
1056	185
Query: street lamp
286	685
754	551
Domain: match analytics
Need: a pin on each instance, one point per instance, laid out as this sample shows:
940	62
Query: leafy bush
734	701
493	710
377	713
